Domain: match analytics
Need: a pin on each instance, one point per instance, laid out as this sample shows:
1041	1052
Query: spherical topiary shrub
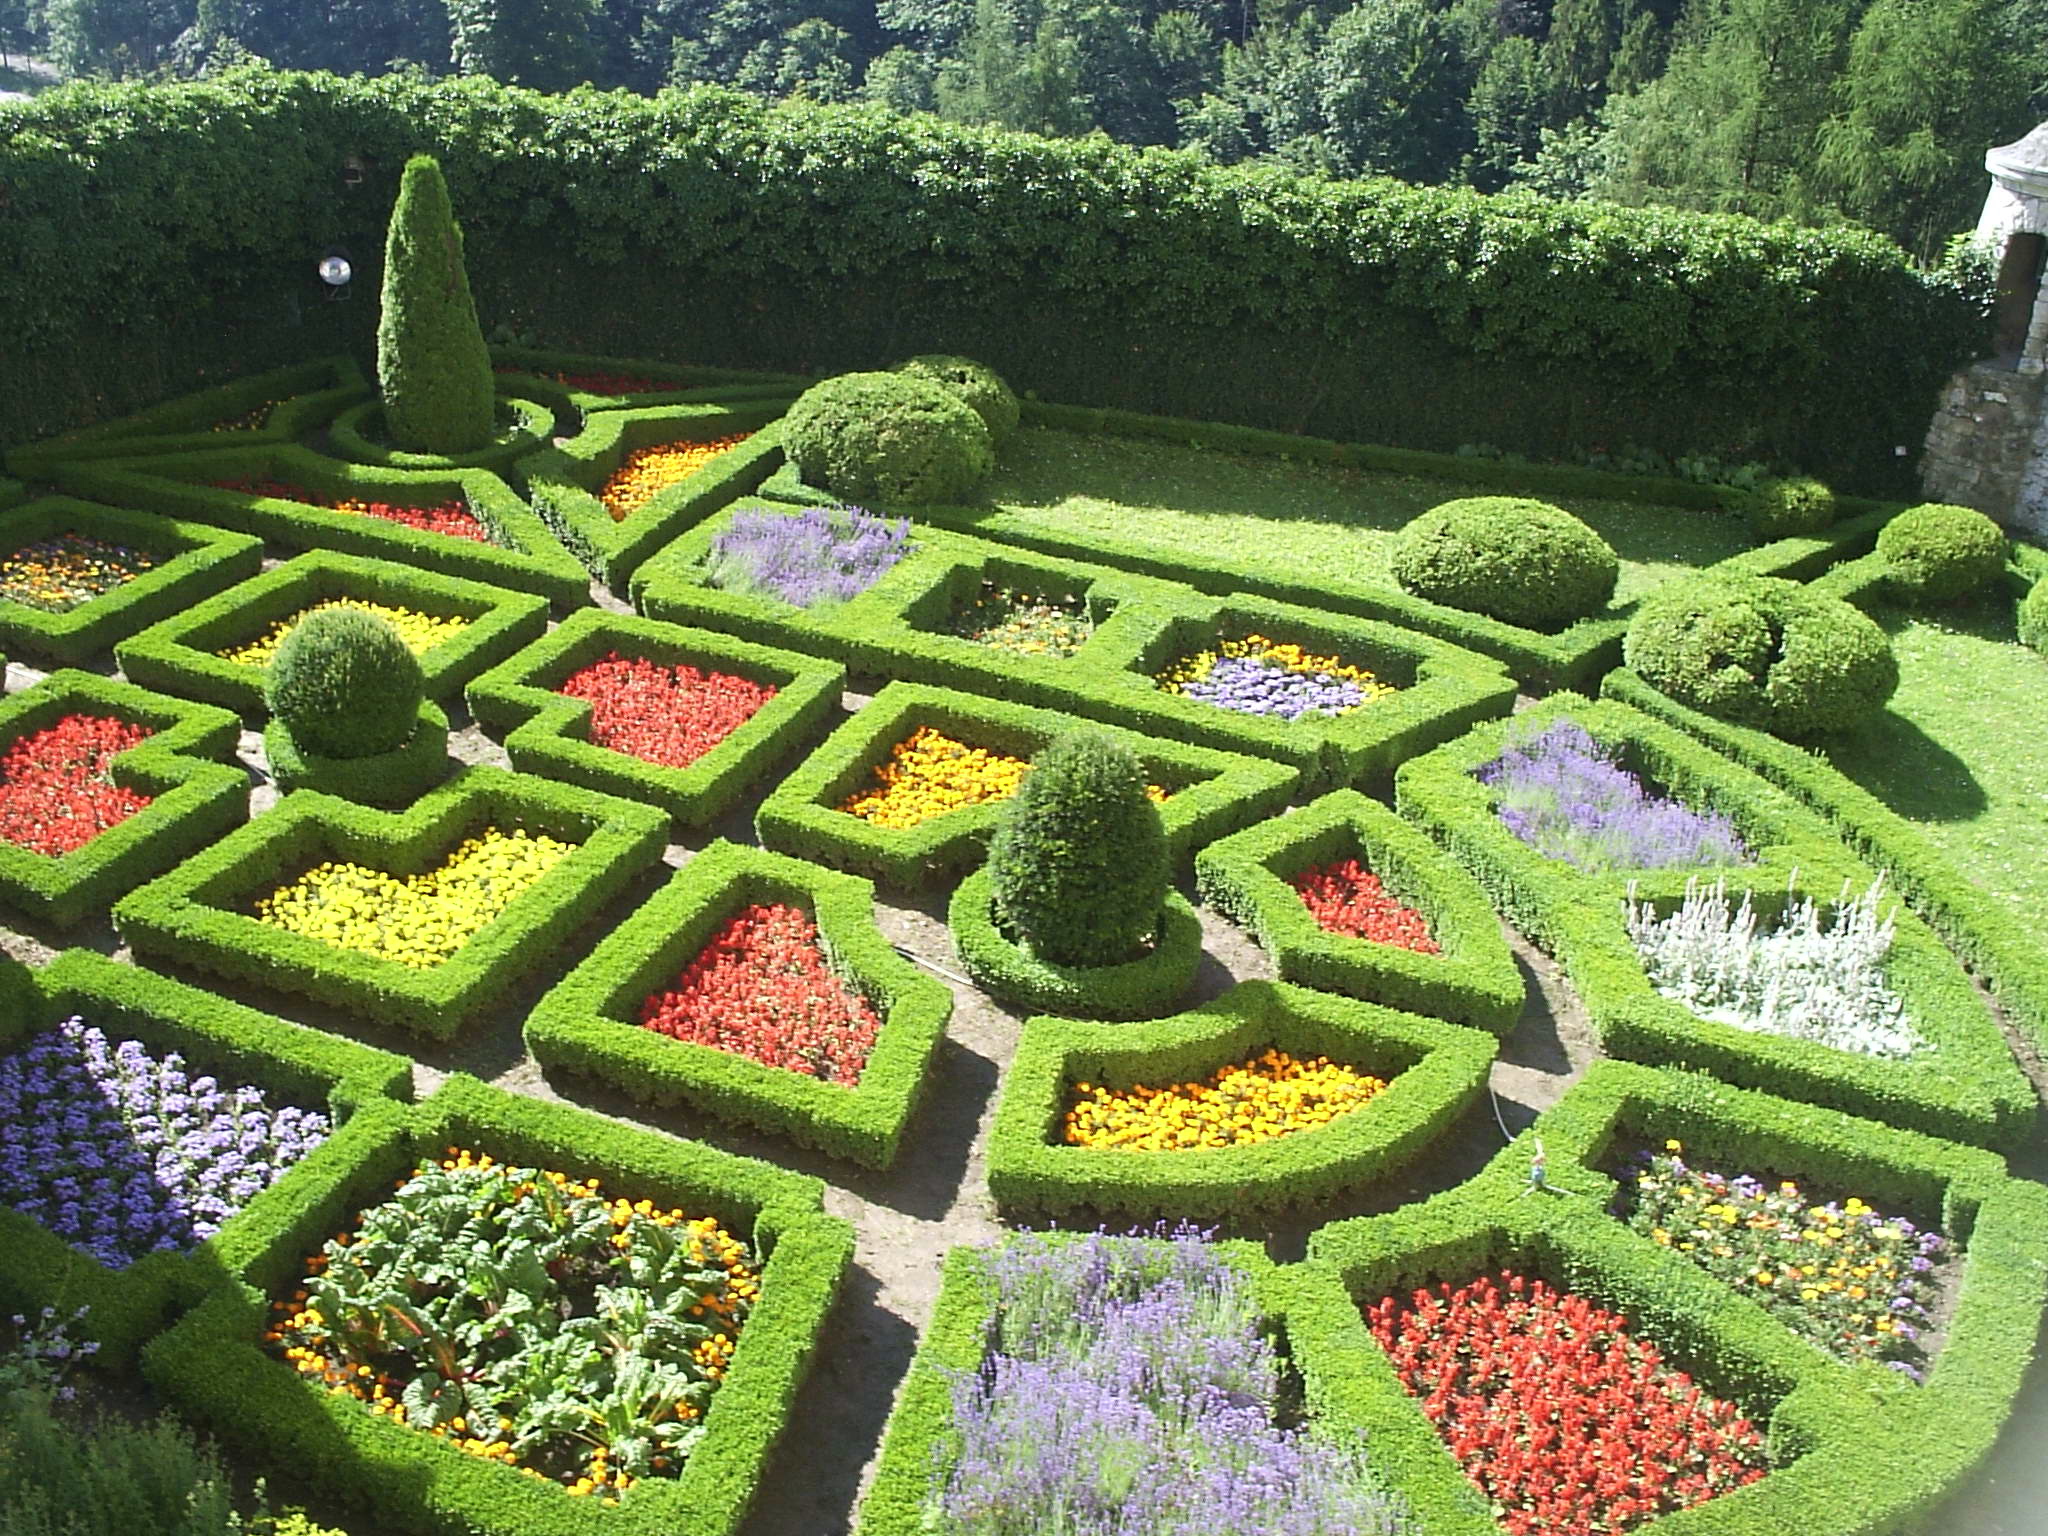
2033	617
979	385
1523	562
1936	553
1078	862
344	684
887	437
1788	508
1763	652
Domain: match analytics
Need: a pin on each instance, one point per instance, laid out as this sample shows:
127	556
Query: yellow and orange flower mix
1263	1099
930	773
647	472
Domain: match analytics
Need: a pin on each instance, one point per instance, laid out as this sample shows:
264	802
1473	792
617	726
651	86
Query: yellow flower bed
420	631
417	920
648	472
1262	1099
929	773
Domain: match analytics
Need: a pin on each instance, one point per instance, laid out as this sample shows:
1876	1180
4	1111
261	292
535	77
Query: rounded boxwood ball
1520	561
1763	652
1936	553
1789	507
887	437
977	384
2033	617
344	684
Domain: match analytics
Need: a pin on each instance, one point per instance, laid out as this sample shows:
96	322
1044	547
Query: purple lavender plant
810	558
1129	1391
122	1154
1566	796
1252	685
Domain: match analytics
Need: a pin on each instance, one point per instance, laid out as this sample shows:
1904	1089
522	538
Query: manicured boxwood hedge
589	1023
523	426
549	734
1968	1088
562	482
198	915
193	561
198	792
537	370
213	1367
354	1084
523	554
1209	792
393	778
1247	877
1433	1071
11	492
180	655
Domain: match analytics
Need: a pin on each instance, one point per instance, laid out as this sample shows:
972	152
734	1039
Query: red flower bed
57	790
599	383
450	517
662	714
1567	1423
762	988
1348	898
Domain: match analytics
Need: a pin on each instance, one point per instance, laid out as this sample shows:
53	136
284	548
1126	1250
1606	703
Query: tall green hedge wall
155	237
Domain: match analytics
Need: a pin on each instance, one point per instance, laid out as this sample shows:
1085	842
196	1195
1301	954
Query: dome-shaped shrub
977	384
2033	617
1936	553
1078	861
887	437
344	684
1523	562
1763	652
1788	508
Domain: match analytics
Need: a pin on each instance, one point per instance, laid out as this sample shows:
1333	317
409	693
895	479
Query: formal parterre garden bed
1761	1267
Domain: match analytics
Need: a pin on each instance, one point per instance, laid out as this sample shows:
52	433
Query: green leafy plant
2033	617
1937	553
433	367
1521	561
345	685
1785	508
977	384
887	437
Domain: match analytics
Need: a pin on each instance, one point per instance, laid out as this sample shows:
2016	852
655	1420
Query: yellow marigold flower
421	632
647	472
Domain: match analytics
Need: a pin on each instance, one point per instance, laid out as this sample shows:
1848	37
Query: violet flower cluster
1565	795
1257	676
122	1154
818	556
1129	1391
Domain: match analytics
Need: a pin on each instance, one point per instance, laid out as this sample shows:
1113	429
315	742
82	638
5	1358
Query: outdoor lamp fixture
335	271
352	169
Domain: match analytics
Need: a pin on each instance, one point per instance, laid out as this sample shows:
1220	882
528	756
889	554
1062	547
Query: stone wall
1988	446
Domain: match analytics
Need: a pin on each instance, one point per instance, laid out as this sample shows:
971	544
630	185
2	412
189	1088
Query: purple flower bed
817	556
1129	1389
1566	796
122	1154
1257	676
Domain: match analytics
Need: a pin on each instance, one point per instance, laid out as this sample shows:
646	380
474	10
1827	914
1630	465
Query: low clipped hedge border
1969	1089
193	562
198	792
1137	989
213	1367
355	1084
395	777
354	435
195	916
1210	792
523	554
11	492
522	368
588	1024
179	654
562	481
548	734
1247	877
1433	1071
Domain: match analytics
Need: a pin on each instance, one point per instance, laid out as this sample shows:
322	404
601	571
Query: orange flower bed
649	471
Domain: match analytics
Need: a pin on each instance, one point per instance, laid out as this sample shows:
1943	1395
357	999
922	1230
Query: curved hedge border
1209	792
196	797
532	424
193	562
588	1024
213	1365
179	654
687	383
197	916
354	1083
1968	1088
548	734
1433	1071
1247	877
11	492
392	778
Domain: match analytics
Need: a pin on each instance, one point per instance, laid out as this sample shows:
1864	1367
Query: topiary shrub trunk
432	365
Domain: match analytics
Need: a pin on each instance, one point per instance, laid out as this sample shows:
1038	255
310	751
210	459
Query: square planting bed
104	786
1349	898
420	918
75	577
955	759
155	1139
756	988
218	649
681	718
414	1451
1271	1095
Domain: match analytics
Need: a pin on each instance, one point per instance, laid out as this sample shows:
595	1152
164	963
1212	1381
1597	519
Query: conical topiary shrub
432	365
1078	864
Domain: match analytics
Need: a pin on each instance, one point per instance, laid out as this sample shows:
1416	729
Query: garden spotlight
335	271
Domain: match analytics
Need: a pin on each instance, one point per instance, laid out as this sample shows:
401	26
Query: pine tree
432	365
